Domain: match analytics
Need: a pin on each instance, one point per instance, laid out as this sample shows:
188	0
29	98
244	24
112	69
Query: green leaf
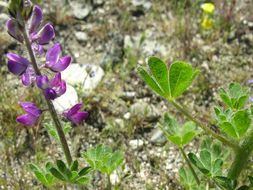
181	75
83	180
225	182
186	178
216	167
102	158
194	159
74	166
61	166
179	135
242	122
235	97
40	176
160	72
150	81
229	129
115	160
57	174
84	171
235	123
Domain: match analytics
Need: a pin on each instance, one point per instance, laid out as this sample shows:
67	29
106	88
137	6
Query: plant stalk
50	105
241	156
109	183
190	165
204	127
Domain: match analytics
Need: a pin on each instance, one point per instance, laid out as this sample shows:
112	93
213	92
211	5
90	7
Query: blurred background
107	40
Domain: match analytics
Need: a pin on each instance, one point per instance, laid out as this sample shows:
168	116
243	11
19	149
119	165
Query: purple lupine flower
20	66
16	63
52	89
44	35
74	115
13	30
32	114
54	61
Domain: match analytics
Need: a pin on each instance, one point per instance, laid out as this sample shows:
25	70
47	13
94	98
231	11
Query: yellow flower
208	8
207	23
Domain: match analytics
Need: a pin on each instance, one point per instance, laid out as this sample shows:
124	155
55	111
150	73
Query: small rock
143	3
67	100
158	137
114	178
151	47
136	143
144	109
128	95
81	36
127	115
80	10
119	123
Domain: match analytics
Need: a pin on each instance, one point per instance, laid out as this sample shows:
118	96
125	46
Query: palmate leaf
186	178
181	75
179	135
208	162
42	176
235	97
235	124
169	84
102	158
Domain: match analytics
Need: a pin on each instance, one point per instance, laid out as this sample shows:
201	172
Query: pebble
81	36
136	143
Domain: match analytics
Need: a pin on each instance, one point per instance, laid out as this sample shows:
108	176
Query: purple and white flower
53	60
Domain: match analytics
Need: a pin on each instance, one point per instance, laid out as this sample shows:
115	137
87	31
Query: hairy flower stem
241	156
204	127
50	105
190	165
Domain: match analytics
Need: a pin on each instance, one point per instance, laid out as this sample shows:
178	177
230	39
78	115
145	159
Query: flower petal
56	81
61	89
35	19
62	64
53	55
50	94
73	110
28	76
17	64
13	30
42	81
27	119
37	49
31	108
44	35
79	117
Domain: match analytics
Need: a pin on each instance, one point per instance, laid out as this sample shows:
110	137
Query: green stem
109	184
50	105
190	165
241	156
204	127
